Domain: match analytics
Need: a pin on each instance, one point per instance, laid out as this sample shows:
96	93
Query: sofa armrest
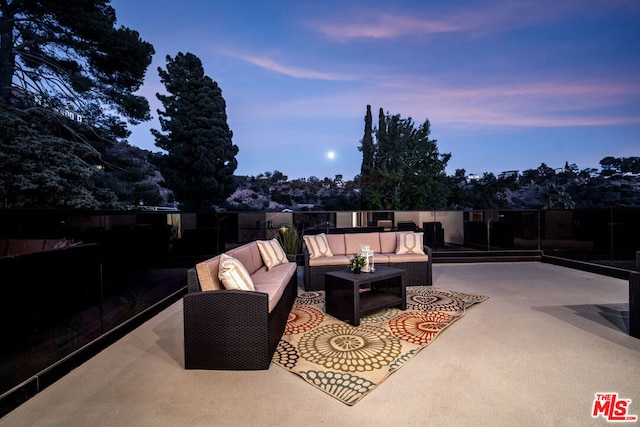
429	252
307	268
226	330
193	284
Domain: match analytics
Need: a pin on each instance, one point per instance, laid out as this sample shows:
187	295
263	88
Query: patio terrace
535	353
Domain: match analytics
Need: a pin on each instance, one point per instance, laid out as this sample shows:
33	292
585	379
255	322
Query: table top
381	273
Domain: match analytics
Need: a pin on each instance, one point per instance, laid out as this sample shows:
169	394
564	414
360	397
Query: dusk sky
506	85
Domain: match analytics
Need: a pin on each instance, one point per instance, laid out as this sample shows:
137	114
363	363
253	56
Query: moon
331	155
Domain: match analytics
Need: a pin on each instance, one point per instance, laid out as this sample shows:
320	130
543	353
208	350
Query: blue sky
506	84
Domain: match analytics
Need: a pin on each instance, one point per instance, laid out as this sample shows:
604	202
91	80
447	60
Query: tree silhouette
408	170
200	159
71	53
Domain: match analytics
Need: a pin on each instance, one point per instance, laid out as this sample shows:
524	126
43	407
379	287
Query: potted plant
290	240
357	262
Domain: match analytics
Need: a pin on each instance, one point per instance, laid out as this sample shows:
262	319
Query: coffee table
349	296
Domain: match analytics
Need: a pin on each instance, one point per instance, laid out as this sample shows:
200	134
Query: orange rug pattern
349	362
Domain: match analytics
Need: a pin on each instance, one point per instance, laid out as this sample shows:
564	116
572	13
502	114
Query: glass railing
71	277
604	236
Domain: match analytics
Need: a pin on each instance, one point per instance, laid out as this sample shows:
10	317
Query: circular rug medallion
379	316
342	347
310	298
420	328
303	318
433	300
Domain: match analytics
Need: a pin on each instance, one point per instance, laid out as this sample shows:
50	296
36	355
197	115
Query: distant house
472	177
305	206
508	174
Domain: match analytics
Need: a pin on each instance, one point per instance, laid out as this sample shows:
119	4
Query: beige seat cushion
274	281
233	275
272	253
393	258
330	260
317	245
381	259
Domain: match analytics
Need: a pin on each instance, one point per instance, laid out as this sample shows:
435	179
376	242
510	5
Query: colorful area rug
349	362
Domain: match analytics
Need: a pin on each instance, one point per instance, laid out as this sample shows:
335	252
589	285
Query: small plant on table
357	262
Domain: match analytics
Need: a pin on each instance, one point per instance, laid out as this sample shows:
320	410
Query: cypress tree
367	168
367	145
381	137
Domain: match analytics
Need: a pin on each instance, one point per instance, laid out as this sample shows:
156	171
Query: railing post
634	304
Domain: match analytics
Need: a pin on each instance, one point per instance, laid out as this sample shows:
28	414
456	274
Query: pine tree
67	83
58	53
200	159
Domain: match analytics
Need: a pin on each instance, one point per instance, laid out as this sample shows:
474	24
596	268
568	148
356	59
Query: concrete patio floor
535	353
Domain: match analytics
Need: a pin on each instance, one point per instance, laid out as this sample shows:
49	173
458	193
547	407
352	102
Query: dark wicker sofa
236	329
417	267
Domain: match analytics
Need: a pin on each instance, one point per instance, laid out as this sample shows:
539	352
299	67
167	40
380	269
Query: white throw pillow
233	275
409	243
272	253
317	245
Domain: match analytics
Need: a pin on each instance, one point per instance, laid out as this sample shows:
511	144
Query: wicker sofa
237	329
416	263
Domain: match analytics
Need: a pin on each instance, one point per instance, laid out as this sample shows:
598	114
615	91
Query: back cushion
388	242
245	255
336	243
256	258
354	240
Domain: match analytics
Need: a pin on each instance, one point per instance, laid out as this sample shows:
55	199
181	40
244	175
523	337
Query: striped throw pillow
272	253
317	245
233	275
409	243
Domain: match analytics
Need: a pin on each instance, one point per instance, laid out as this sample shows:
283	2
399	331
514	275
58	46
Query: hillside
553	192
277	194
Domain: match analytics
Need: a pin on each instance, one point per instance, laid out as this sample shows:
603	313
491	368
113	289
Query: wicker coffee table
349	296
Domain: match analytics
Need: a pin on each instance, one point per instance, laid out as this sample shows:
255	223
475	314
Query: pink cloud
288	70
476	19
549	104
385	26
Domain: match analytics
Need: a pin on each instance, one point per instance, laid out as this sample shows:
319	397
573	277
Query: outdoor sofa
405	250
229	326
